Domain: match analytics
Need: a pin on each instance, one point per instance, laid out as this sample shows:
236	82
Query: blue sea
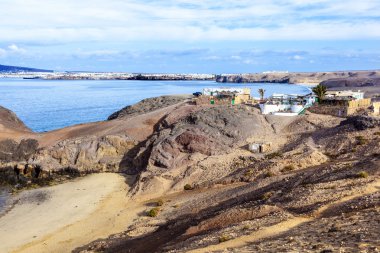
46	105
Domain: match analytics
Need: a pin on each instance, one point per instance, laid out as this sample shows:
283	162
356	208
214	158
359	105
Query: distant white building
344	94
276	72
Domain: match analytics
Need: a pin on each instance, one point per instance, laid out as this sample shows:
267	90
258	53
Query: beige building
232	96
376	108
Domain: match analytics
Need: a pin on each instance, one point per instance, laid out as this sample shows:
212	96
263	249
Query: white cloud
16	49
236	57
49	21
96	53
12	49
211	58
297	57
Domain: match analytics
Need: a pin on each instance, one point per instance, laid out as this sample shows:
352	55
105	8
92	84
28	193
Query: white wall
268	109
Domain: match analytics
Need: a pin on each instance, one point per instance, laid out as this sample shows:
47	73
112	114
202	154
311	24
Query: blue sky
188	36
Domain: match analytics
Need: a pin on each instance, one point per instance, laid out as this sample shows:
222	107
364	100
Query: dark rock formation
361	122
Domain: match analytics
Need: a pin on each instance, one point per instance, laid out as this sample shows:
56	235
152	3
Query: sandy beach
63	217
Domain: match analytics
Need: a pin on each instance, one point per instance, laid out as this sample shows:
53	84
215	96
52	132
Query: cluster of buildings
277	104
347	102
287	105
337	103
232	96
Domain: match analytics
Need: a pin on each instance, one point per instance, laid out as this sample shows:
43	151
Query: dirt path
286	225
63	217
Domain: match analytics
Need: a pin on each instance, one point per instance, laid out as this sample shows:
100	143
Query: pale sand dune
66	216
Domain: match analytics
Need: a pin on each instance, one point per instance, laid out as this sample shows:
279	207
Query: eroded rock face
210	131
86	154
10	150
352	82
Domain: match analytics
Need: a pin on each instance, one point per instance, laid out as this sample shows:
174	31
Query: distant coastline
311	78
108	76
365	78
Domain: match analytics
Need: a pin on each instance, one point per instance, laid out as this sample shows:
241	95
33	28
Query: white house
287	104
344	94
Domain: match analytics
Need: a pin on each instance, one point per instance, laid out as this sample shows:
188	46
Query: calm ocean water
46	105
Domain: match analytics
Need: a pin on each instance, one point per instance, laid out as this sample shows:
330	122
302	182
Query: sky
191	36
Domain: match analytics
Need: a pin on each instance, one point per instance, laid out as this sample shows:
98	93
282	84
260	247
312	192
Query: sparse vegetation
248	173
187	187
273	155
288	168
269	174
320	90
224	238
160	202
266	195
331	156
361	140
362	174
153	212
261	93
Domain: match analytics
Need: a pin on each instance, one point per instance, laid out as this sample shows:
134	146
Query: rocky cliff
352	82
96	147
306	77
9	120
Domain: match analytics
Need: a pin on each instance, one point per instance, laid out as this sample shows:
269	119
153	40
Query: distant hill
4	68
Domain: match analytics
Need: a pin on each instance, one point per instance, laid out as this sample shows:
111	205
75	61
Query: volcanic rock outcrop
209	131
86	154
9	120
